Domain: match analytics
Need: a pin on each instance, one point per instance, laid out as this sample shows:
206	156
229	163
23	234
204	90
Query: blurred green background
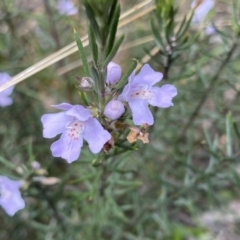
184	184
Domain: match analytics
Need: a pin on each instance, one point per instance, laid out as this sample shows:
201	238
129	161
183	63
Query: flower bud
114	109
85	83
114	73
35	165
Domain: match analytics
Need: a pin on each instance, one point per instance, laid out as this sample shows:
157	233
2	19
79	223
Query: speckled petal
54	123
67	148
79	112
140	112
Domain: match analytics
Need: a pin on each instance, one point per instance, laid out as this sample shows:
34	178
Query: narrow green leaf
187	177
213	158
95	77
235	15
158	58
185	28
236	129
84	98
126	147
157	35
93	45
208	138
170	25
113	29
188	43
228	134
7	163
181	26
127	183
111	14
82	54
92	20
82	179
30	150
125	77
116	210
113	51
236	177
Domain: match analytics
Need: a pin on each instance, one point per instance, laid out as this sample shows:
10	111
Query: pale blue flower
201	9
66	7
210	30
5	100
75	123
10	196
139	92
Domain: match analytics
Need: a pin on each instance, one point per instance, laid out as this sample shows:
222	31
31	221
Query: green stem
209	89
101	73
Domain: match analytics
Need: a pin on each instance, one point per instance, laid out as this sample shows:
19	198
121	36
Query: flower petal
10	196
162	97
67	7
81	113
4	78
63	106
54	123
147	76
95	135
125	95
7	91
9	184
140	112
67	148
12	202
202	9
5	101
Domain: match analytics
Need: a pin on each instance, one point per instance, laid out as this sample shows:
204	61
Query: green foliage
82	54
113	51
171	37
93	46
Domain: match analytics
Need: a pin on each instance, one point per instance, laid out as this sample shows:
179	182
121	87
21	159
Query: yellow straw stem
71	48
126	46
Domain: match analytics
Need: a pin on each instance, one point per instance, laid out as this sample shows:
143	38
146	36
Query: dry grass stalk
71	48
126	46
